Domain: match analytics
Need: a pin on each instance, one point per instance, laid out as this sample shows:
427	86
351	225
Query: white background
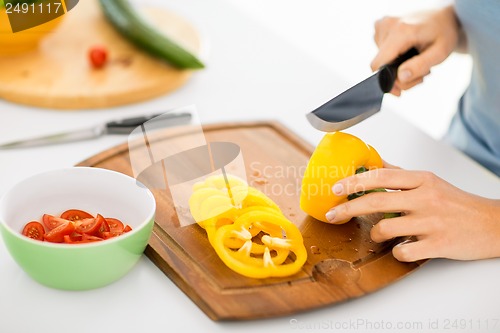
339	34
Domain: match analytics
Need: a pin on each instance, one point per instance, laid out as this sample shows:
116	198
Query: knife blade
360	101
122	126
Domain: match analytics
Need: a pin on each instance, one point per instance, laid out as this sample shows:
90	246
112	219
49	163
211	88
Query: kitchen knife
123	126
359	102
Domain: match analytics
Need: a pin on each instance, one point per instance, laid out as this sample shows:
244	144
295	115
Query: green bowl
82	266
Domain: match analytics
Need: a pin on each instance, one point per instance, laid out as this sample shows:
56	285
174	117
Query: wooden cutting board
342	262
58	74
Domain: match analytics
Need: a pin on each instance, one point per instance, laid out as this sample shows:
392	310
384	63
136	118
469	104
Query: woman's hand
435	34
446	221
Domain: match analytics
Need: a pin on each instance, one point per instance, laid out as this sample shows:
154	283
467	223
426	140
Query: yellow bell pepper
22	41
275	236
337	156
246	228
214	201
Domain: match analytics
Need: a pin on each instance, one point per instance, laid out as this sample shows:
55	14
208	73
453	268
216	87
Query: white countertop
252	74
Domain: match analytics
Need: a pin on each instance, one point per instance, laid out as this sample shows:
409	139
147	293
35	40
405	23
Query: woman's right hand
435	34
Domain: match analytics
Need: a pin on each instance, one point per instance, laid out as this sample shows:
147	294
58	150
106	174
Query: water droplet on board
315	250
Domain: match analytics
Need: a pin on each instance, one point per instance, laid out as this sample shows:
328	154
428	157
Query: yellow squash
337	156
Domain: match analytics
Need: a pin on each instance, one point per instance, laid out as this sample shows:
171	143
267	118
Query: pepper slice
212	199
213	224
283	252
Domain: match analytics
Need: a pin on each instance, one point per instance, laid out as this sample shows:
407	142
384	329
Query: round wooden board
58	74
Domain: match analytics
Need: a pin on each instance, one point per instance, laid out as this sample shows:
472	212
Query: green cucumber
122	15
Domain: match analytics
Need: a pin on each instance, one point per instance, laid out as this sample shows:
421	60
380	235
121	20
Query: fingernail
338	189
404	242
405	75
330	215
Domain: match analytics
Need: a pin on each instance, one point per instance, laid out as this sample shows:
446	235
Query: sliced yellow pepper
252	239
338	155
277	237
214	200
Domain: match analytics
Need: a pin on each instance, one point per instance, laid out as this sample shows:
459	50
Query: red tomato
72	238
34	230
89	239
104	226
75	214
75	226
52	222
57	234
92	226
86	226
115	225
98	56
83	239
108	235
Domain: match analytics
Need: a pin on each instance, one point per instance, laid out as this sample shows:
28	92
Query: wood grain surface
342	263
58	74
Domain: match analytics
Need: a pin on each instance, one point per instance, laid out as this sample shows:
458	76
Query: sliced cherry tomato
115	225
73	227
75	214
104	226
109	234
72	238
34	230
57	234
93	226
89	239
52	222
87	226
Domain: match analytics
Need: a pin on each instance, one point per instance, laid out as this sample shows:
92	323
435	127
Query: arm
435	34
448	222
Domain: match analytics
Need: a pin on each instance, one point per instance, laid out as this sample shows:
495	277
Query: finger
396	91
369	204
420	65
394	45
408	85
396	179
390	166
413	251
383	27
396	227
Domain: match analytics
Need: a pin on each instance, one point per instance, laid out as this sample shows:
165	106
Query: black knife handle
126	126
389	73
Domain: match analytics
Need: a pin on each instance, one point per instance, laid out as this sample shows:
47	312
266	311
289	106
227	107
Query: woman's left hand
446	221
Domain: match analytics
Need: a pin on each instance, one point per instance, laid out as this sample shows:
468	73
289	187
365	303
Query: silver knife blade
350	107
123	126
78	135
359	102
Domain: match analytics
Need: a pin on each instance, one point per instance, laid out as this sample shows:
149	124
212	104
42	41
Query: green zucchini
125	19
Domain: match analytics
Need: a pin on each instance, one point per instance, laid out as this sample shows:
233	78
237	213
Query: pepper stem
361	193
